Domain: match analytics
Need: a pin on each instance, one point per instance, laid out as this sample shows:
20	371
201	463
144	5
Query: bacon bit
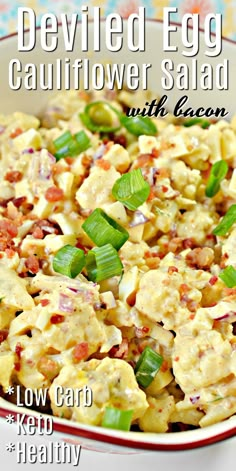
141	332
13	176
144	160
86	161
188	243
191	317
229	291
153	262
149	254
172	269
10	253
16	133
176	359
121	140
17	366
3	335
18	350
69	160
19	201
175	244
49	368
155	152
56	319
183	289
8	227
164	188
164	366
104	164
213	280
120	351
32	264
38	233
1	255
151	195
80	351
44	302
54	194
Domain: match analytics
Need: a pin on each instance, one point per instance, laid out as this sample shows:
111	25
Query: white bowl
33	102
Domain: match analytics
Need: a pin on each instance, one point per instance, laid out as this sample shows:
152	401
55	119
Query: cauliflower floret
113	384
95	191
201	360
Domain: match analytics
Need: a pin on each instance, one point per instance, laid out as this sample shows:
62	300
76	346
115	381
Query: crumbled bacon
54	194
3	335
13	176
104	164
16	133
120	351
80	351
44	302
213	280
56	319
172	269
32	264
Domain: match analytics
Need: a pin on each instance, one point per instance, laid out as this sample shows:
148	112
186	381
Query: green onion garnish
227	221
104	230
82	140
139	125
63	140
69	261
117	419
147	366
102	263
131	189
218	172
204	123
100	116
228	275
70	146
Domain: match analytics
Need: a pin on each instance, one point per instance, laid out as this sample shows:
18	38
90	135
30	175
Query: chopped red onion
149	174
194	399
28	151
65	303
228	315
138	219
99	152
2	129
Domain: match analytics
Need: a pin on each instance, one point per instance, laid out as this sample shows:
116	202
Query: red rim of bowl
98	435
120	441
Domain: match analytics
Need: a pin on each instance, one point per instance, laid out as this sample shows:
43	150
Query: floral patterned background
154	9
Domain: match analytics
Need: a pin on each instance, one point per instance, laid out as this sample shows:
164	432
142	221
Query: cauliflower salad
118	261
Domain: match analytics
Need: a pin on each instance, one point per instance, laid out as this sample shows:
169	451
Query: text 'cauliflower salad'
118	261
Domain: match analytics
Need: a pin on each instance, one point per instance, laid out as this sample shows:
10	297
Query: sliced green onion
100	116
227	221
117	419
204	123
68	145
82	140
104	230
218	172
131	189
63	140
147	366
69	261
228	275
102	263
139	125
